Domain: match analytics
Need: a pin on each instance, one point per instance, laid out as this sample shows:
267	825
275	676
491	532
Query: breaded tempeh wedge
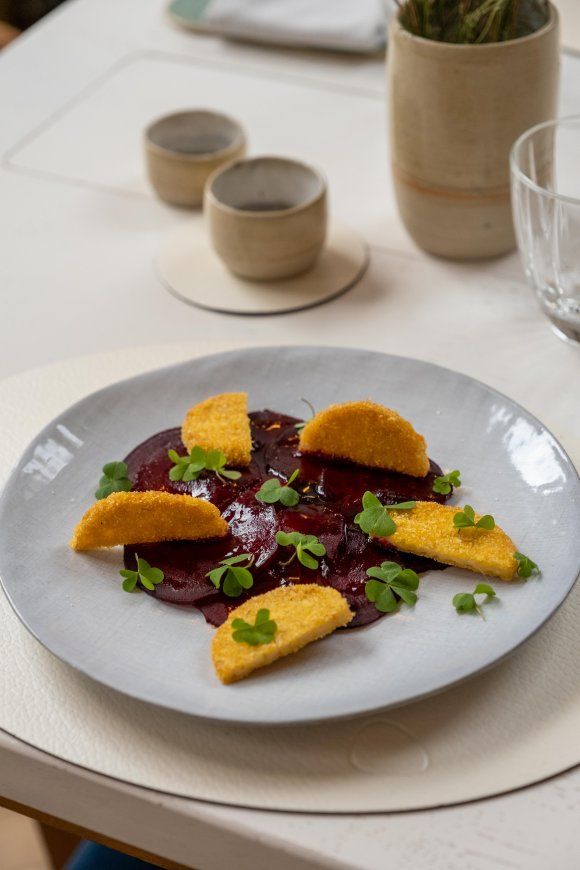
220	423
146	517
302	614
368	434
428	530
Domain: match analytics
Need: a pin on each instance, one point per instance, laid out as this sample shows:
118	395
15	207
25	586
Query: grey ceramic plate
73	603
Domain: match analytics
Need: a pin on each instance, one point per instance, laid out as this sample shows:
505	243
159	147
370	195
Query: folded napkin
343	25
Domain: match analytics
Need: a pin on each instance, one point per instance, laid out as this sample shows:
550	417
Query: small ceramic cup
183	149
266	216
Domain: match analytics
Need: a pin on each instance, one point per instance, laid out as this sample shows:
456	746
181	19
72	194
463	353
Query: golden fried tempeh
302	614
428	530
368	434
146	517
220	423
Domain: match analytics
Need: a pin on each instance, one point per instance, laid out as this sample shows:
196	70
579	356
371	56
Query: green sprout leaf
300	426
444	483
216	461
262	631
525	566
148	577
272	491
466	602
187	467
114	479
231	577
375	519
190	466
305	548
466	519
484	589
390	584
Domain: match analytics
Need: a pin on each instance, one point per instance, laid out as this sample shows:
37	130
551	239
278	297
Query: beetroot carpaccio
330	497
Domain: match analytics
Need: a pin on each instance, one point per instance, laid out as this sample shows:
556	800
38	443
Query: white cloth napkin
344	25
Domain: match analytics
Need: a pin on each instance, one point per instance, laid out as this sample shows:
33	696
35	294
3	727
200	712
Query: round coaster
192	271
507	728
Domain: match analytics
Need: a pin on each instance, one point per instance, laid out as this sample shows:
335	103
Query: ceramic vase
455	111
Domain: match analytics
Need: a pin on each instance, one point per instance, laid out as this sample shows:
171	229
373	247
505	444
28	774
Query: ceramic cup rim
439	45
213	199
199	157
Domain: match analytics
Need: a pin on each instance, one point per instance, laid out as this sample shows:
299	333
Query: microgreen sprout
301	425
190	466
375	519
148	576
114	479
444	483
305	548
273	491
231	576
466	519
391	583
525	566
263	630
466	602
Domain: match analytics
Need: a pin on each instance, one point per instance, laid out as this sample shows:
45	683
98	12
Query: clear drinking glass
545	173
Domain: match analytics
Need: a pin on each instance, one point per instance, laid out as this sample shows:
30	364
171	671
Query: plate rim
357	712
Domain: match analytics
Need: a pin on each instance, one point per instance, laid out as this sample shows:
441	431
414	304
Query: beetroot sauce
330	497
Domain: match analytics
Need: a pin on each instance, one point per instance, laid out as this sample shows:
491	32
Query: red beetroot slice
254	525
330	496
358	554
343	484
185	563
270	572
148	466
314	519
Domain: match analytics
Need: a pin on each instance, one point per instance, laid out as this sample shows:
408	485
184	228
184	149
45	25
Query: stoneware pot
455	112
183	149
267	216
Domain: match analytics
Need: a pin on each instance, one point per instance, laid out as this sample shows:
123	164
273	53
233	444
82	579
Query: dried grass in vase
473	21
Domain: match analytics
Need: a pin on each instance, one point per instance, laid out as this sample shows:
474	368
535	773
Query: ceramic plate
511	467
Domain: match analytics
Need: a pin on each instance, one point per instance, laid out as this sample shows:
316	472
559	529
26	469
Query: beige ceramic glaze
455	112
183	149
267	216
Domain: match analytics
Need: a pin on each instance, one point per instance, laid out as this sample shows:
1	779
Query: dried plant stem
472	21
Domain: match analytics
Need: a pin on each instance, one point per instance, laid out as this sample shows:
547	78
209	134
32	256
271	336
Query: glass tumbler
545	176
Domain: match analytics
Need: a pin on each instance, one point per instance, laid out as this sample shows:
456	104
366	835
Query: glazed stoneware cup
183	149
267	216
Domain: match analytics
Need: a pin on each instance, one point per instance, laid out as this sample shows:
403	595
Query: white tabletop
78	239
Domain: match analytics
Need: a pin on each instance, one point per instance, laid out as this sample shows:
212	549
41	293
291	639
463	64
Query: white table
76	277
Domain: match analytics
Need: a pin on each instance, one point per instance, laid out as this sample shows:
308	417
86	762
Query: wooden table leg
59	844
7	33
79	832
